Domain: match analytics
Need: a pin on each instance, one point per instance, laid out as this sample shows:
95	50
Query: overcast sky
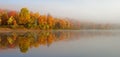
103	11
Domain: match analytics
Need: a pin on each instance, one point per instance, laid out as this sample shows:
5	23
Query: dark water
87	43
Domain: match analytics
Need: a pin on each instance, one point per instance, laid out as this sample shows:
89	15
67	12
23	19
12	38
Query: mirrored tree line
26	40
30	39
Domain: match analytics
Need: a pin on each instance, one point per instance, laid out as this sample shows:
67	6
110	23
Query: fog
100	11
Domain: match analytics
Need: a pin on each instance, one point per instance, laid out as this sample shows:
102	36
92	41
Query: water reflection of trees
27	40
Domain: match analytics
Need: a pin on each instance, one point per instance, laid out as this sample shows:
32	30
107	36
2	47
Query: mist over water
99	11
98	34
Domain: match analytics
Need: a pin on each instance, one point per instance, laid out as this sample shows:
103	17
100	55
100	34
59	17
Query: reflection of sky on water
86	44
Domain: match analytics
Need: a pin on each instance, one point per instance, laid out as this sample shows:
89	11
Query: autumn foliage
28	19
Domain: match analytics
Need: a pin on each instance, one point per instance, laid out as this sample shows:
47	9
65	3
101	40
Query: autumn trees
28	19
61	24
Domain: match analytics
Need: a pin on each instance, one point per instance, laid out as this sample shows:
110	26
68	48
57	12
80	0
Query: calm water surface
87	43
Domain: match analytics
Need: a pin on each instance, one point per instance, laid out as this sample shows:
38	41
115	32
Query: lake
74	43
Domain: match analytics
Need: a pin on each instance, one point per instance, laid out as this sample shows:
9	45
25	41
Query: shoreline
38	30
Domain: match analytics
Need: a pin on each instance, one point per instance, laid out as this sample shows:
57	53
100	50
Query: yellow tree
10	20
24	16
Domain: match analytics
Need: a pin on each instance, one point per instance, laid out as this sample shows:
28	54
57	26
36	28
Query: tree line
27	19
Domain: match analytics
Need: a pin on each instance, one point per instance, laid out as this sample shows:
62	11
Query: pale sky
102	11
